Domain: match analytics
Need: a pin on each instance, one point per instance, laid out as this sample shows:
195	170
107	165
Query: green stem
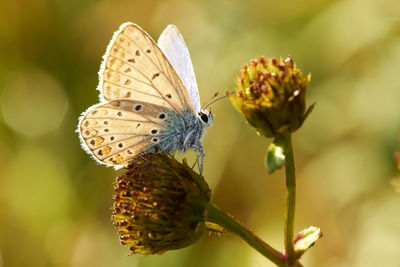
286	143
230	224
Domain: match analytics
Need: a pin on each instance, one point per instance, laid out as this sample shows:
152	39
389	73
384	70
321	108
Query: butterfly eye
204	117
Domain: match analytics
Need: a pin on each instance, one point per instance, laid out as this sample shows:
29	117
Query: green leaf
309	110
274	159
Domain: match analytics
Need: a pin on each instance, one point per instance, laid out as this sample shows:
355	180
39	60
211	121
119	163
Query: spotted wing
117	131
134	68
172	44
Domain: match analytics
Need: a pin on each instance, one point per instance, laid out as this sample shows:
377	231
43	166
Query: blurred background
55	200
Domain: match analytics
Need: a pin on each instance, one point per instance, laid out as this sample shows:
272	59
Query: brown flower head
271	95
159	205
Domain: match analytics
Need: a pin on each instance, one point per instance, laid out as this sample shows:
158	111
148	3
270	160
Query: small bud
159	205
271	95
306	239
214	228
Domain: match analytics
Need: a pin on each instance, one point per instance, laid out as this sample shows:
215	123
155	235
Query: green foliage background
55	201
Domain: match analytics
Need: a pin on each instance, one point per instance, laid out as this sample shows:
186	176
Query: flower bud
306	239
271	95
159	205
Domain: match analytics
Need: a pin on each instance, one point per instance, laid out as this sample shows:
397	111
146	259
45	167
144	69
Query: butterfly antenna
211	98
218	99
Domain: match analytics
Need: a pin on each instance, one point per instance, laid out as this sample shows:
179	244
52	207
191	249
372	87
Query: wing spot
129	152
103	112
118	158
137	53
148	51
138	107
127	70
86	123
105	150
155	140
119	113
155	76
127	82
137	125
128	94
92	142
91	133
112	138
131	60
168	96
99	140
94	112
106	130
162	116
154	131
105	122
120	145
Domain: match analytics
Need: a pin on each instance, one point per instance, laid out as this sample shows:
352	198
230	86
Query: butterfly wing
172	44
117	131
134	68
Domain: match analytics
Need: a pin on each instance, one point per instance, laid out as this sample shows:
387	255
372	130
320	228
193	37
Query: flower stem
286	143
230	224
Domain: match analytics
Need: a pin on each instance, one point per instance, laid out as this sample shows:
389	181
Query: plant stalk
230	224
286	142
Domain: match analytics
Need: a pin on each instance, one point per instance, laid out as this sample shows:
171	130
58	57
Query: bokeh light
33	102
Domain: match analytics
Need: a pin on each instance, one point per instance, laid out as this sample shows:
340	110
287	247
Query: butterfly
149	100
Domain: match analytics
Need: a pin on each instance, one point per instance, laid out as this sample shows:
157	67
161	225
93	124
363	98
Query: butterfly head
205	117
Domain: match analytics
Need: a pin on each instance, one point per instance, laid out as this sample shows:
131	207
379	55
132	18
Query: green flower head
159	205
271	95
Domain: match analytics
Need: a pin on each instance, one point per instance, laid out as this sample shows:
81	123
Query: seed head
271	95
159	205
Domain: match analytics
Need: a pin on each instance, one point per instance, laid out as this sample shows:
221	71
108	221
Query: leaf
274	159
309	110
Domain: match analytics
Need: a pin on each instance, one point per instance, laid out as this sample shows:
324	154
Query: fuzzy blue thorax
180	132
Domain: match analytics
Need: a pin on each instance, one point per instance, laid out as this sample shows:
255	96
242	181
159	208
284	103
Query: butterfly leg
141	157
200	156
197	162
